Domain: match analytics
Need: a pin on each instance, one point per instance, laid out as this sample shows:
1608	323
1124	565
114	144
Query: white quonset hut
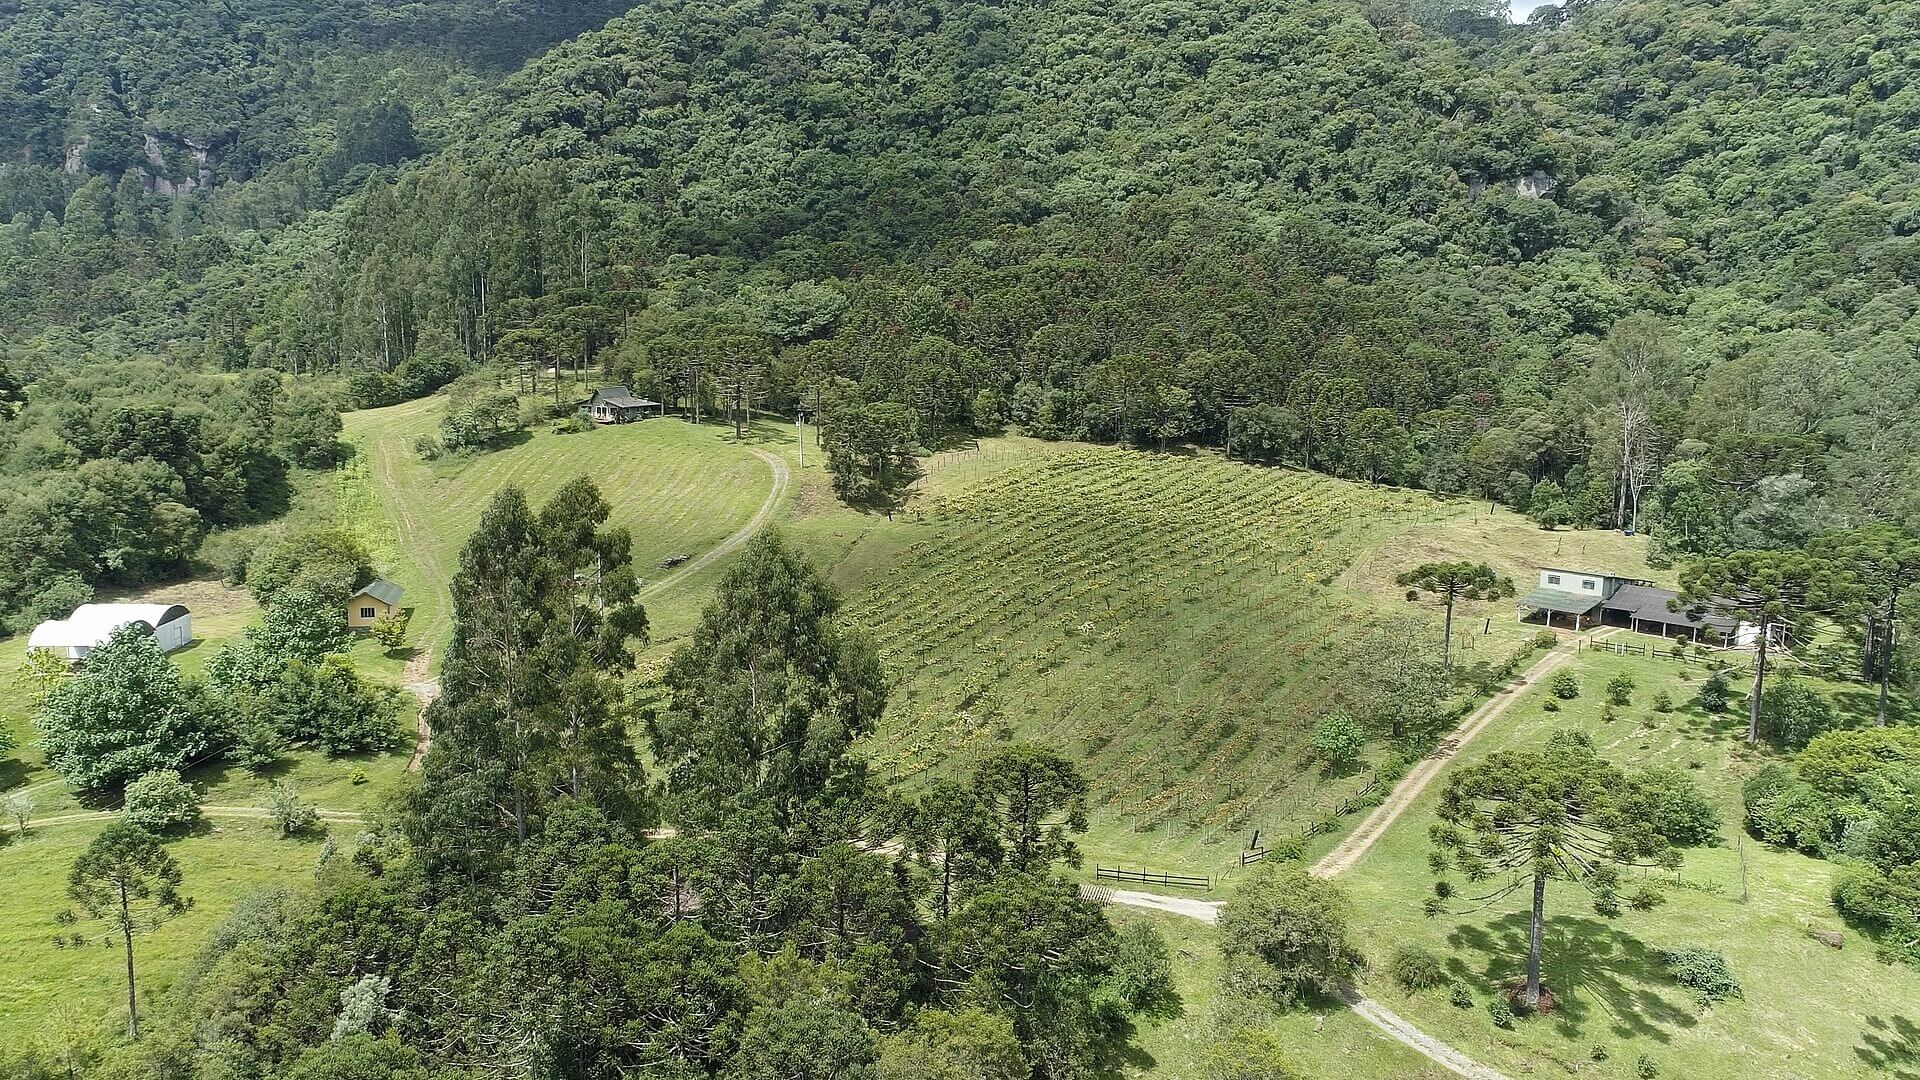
91	625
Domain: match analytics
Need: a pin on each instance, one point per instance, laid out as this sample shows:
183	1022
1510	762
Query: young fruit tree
1776	593
128	880
1452	581
1522	819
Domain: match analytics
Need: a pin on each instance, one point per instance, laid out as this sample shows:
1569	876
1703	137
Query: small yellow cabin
380	599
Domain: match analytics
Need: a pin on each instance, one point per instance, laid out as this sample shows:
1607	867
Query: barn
91	625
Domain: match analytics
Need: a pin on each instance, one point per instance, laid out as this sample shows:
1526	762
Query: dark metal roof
382	590
1566	603
1648	604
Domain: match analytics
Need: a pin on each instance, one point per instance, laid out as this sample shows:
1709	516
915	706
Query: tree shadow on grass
13	774
1891	1045
1598	974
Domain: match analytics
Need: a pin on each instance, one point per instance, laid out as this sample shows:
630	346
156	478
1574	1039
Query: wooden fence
1152	877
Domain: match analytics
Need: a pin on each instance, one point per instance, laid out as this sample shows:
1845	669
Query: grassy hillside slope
1805	1009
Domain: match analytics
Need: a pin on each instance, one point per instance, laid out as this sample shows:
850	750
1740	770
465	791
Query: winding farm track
1362	839
782	476
1357	844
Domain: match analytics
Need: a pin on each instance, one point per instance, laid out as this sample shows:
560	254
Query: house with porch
617	405
1585	599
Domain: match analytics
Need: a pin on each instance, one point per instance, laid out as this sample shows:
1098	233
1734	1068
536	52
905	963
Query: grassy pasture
1806	1010
220	863
1323	1043
680	489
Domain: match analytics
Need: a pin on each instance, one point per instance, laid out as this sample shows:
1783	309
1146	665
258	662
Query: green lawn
1330	1042
221	863
1807	1010
680	488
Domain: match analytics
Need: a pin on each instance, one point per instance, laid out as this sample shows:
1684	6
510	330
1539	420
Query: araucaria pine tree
1522	819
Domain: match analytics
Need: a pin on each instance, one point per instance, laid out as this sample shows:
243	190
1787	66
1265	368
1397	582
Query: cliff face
179	177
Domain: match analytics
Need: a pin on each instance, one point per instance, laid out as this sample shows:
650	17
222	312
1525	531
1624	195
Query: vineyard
1174	623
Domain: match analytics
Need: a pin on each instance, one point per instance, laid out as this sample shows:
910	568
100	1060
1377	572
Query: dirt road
1357	843
782	476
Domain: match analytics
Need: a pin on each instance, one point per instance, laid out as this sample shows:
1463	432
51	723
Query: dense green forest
1635	263
143	146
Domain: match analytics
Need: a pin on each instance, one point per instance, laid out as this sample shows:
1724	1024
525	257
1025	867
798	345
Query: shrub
1598	1053
1337	739
1459	996
1792	713
1645	1068
293	814
1703	971
428	447
1713	692
160	800
1550	705
1501	1011
1415	968
1285	938
1545	639
1620	689
1663	702
390	630
1784	809
1564	685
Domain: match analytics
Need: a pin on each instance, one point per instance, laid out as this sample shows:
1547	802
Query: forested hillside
1642	262
142	143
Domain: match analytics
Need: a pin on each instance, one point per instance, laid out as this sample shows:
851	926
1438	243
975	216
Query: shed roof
92	624
1565	603
382	590
1648	604
619	397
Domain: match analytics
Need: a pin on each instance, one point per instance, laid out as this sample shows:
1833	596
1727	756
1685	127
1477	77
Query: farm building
91	625
1586	599
379	599
617	405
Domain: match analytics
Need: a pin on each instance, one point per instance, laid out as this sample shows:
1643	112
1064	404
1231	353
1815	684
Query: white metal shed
91	625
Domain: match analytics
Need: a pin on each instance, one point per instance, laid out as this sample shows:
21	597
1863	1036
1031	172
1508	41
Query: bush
1703	971
1784	809
390	630
1337	739
1285	938
1459	996
1415	968
1792	713
160	801
1645	1068
1501	1011
429	448
1564	685
1663	702
293	814
1713	692
1620	689
1545	639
